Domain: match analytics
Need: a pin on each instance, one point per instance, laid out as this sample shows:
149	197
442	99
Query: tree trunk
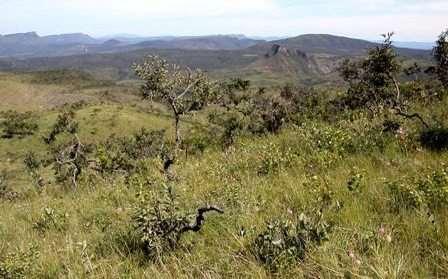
397	89
178	137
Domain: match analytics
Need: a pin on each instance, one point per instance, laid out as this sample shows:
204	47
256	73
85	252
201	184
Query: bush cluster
17	124
284	243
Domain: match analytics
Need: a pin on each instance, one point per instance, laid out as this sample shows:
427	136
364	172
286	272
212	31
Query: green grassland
341	167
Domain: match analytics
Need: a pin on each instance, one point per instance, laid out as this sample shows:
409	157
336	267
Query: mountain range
25	45
311	58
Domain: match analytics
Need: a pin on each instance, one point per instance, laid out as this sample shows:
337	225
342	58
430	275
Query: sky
411	20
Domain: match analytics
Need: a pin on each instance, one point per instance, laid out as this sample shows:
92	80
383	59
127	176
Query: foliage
274	158
32	163
283	243
121	154
160	223
65	122
238	84
17	124
372	81
354	183
429	191
232	123
5	192
18	264
440	53
51	219
70	159
182	90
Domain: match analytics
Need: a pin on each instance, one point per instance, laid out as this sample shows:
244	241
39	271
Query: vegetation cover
183	176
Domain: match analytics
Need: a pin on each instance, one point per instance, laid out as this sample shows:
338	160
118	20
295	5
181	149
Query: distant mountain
335	45
32	45
218	42
322	43
69	39
415	45
306	59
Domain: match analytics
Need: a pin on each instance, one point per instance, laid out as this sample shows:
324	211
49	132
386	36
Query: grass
88	235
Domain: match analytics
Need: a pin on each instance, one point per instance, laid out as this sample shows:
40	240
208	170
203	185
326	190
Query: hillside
333	45
331	194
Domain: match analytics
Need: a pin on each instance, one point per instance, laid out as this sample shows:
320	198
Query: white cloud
411	19
170	8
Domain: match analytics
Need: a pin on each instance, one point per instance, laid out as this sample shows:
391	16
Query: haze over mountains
311	58
30	44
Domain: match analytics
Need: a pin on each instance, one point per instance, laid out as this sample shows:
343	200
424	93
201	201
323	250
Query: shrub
429	192
440	53
18	264
372	80
284	243
268	115
354	183
32	163
65	122
434	188
5	192
18	125
232	123
70	159
50	219
197	143
159	223
274	158
121	154
404	196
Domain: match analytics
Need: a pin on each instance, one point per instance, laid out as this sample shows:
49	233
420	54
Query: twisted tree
182	90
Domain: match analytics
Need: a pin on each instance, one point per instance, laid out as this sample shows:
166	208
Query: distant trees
183	90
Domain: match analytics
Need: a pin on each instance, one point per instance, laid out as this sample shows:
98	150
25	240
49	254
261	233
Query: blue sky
412	20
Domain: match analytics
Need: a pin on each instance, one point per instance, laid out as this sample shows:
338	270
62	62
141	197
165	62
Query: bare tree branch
413	115
200	218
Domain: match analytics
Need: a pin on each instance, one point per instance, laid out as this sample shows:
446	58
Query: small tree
440	53
372	81
181	89
64	123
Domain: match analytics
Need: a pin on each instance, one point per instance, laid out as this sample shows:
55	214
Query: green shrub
18	125
70	160
121	154
430	192
65	122
51	219
18	264
274	158
232	123
159	223
404	196
285	243
354	183
434	188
